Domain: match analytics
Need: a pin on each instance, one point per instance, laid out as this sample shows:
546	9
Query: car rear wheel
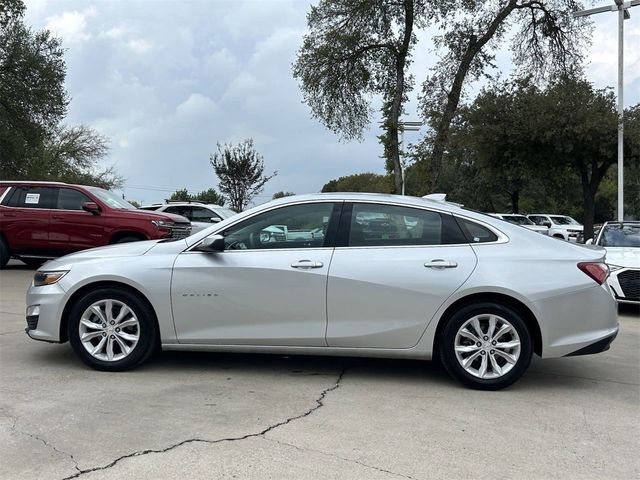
4	253
486	346
112	329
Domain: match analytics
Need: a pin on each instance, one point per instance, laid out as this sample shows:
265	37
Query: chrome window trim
4	194
502	237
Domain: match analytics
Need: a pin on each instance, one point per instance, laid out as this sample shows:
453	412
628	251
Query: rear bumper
596	347
575	321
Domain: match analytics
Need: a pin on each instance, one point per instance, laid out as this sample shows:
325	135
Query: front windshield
111	199
562	220
617	235
518	219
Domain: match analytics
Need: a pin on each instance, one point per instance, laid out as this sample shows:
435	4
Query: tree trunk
515	201
443	127
395	110
589	206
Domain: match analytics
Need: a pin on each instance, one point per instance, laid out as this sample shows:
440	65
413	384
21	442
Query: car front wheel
486	346
112	329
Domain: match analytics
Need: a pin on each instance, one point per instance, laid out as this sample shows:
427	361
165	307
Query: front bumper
625	284
45	325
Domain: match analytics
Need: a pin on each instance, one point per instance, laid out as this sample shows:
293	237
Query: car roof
42	183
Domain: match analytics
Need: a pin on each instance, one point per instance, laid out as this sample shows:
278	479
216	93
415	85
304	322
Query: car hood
152	215
623	256
579	228
129	249
535	228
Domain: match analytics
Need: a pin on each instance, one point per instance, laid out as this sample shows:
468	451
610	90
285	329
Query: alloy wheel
109	330
487	346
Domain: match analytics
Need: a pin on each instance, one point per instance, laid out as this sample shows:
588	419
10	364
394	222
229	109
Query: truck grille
630	283
180	231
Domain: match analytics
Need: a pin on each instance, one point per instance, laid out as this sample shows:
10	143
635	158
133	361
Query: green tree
361	182
282	194
356	49
34	145
210	196
240	170
545	40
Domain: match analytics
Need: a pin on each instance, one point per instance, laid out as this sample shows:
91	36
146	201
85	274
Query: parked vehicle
436	280
201	215
560	226
521	220
41	220
621	240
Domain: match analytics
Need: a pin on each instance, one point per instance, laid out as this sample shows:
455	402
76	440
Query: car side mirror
213	243
546	224
215	219
91	207
589	242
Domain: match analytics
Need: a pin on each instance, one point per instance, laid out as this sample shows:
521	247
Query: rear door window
380	225
30	197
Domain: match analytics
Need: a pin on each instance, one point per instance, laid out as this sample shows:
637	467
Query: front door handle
439	263
307	264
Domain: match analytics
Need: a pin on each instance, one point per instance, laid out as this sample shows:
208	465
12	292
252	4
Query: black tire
4	253
447	354
33	262
148	333
128	238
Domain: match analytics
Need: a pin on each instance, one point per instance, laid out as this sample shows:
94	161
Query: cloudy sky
165	81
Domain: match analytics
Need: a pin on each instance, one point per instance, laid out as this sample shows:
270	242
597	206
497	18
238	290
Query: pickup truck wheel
4	253
112	329
486	346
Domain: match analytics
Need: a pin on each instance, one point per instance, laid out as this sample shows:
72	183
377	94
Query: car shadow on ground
551	374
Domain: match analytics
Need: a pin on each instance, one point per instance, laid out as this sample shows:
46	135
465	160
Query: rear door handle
439	263
307	264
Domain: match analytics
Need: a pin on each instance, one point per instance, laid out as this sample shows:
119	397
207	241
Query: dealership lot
249	416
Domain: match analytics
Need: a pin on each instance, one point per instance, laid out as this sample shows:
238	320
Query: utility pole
622	8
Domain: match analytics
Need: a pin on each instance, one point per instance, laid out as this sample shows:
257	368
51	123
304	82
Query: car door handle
307	264
438	264
57	217
8	215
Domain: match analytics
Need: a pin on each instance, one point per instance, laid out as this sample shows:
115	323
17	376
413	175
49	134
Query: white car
621	240
202	215
521	220
560	226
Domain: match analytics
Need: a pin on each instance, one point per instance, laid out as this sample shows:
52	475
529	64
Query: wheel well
64	321
527	315
117	236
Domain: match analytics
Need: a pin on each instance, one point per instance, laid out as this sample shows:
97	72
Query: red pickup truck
41	220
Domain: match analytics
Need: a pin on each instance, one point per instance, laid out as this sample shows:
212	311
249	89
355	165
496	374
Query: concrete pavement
196	415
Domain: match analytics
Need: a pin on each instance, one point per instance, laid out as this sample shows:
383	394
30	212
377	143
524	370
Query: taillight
597	270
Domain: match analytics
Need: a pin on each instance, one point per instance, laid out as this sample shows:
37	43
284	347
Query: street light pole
622	8
412	127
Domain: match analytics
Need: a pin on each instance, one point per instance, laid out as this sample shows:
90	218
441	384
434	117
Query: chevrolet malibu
347	274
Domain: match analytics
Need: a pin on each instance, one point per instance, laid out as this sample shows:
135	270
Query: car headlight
47	278
162	224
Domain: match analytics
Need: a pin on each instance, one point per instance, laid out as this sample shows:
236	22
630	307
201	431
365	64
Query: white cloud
71	25
139	45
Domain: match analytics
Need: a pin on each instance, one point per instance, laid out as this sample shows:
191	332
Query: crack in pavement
333	455
319	404
45	443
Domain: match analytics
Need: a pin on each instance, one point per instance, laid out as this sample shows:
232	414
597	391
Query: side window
537	220
70	199
375	225
185	211
30	197
201	214
476	233
295	226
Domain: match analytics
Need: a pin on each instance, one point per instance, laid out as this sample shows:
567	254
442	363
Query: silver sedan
335	274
